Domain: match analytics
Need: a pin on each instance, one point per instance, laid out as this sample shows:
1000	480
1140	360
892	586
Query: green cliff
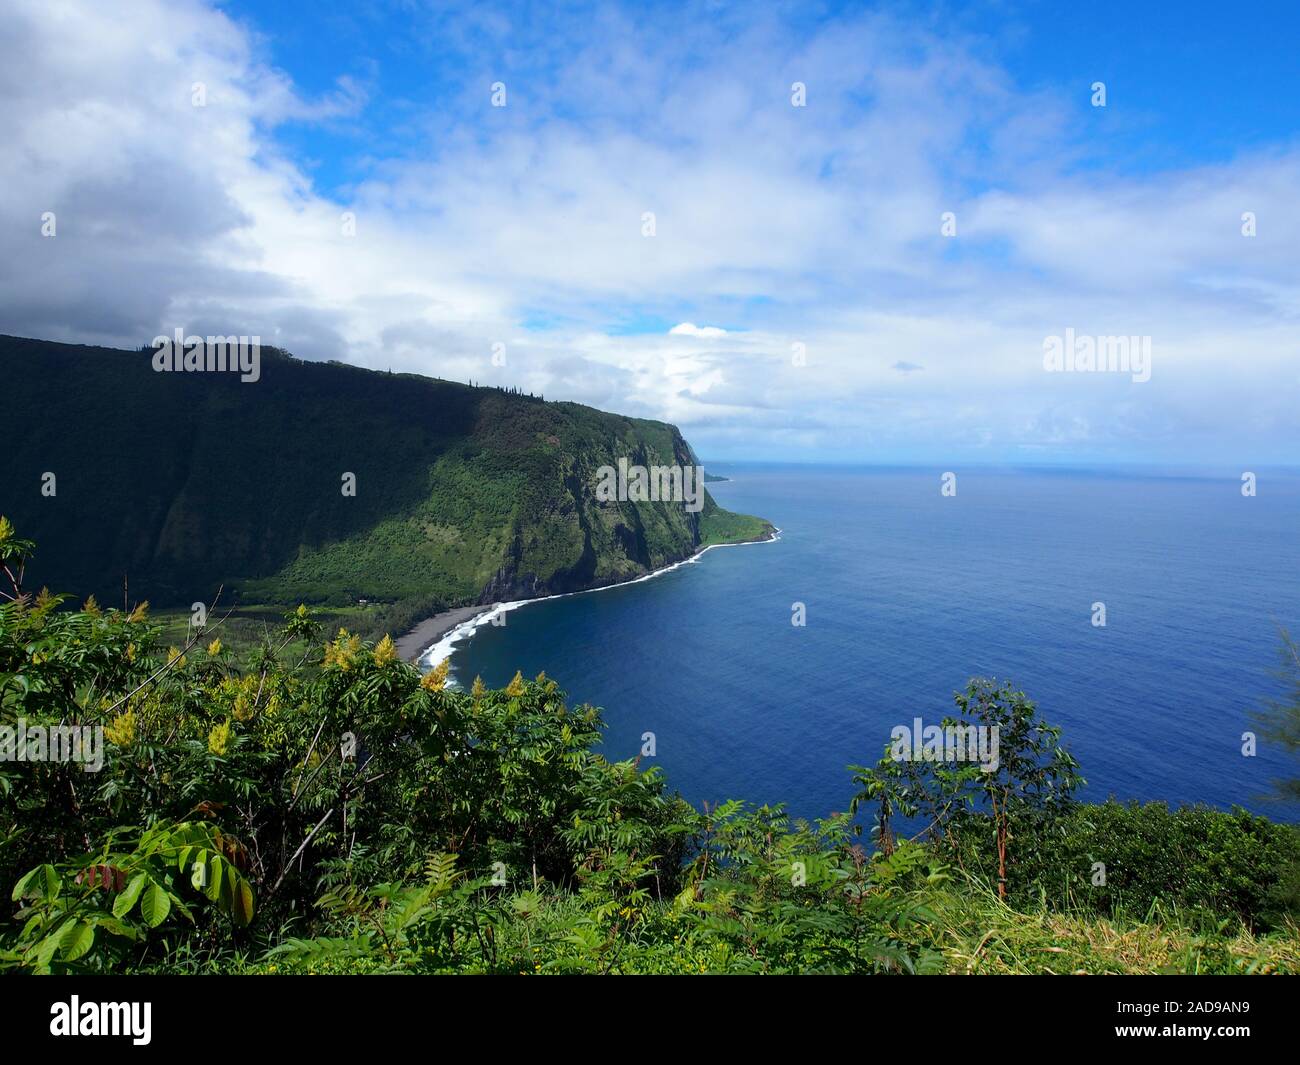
180	482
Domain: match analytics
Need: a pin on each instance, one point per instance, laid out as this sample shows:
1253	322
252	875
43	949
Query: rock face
589	543
322	482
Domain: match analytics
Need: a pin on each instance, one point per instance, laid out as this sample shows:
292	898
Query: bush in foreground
333	810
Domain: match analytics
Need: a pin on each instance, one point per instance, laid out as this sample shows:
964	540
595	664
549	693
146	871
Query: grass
246	627
978	934
726	527
972	931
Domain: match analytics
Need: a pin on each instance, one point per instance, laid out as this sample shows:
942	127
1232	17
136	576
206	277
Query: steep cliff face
579	541
324	483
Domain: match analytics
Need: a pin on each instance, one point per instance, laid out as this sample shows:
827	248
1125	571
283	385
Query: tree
1280	718
1030	778
1034	776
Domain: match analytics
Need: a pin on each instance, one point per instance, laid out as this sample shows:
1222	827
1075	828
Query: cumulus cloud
813	232
690	329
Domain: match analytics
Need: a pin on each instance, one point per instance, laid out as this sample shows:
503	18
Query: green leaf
43	882
218	870
75	938
223	885
45	952
205	874
127	899
114	927
242	905
155	905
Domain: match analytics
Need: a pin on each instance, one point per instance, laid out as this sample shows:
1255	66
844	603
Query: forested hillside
180	482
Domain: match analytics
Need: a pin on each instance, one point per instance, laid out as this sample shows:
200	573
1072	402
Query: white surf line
443	649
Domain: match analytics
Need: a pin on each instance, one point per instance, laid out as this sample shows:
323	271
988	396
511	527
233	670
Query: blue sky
796	299
1198	81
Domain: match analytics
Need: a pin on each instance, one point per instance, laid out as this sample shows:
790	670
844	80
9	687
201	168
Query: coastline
431	630
447	627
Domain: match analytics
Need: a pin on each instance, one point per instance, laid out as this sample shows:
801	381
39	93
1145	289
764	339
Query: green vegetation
1280	718
319	806
249	625
463	494
725	527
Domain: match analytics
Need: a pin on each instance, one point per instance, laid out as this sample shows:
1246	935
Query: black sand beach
431	630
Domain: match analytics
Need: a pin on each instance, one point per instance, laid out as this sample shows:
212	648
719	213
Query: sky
800	232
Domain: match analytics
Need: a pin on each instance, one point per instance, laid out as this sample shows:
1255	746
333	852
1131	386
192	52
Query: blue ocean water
908	593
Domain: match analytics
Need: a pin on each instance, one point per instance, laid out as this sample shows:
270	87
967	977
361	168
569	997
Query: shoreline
429	631
448	627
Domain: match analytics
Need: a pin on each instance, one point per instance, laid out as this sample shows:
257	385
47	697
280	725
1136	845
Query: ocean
907	593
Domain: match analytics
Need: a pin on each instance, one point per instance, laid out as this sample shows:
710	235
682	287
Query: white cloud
816	227
690	329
